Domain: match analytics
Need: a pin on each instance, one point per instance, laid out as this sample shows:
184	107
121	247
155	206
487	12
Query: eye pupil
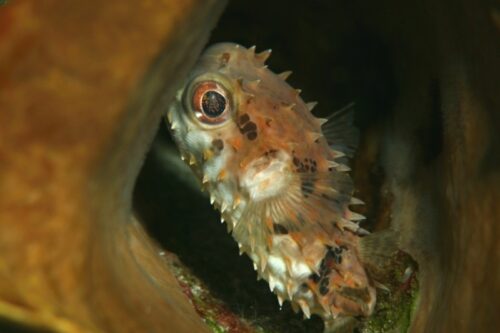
213	104
210	102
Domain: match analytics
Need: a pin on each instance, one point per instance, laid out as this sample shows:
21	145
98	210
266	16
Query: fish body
279	177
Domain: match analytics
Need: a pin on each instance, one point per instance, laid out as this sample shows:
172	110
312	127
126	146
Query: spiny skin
279	181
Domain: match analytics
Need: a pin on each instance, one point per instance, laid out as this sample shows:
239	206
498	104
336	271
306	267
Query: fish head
238	123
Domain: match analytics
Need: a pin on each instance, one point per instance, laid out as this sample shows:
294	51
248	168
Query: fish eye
210	102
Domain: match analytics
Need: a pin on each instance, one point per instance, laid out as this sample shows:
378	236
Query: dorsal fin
339	131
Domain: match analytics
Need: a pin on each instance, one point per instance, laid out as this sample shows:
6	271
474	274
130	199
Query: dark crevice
8	326
430	135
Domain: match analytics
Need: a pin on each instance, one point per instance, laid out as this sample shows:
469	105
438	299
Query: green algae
395	306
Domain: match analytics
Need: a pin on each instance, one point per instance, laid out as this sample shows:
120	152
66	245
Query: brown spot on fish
279	229
314	277
252	136
332	258
323	286
338	254
244	118
270	153
306	165
335	254
314	166
249	127
218	144
224	59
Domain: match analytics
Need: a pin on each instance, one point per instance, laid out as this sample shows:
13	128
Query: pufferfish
279	177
